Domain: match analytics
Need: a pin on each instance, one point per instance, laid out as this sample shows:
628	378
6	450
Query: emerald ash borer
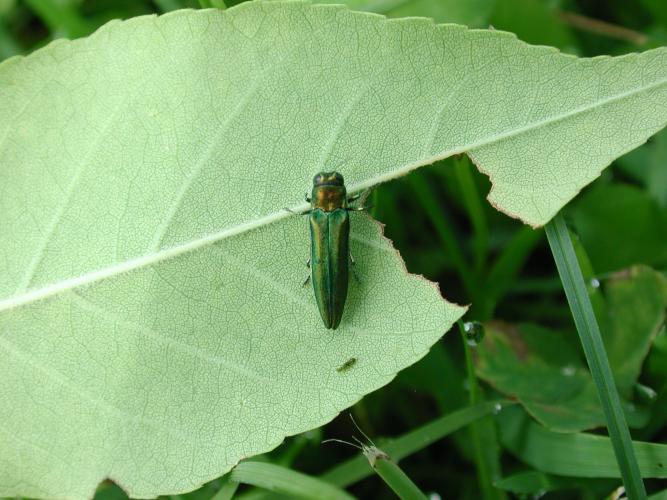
330	257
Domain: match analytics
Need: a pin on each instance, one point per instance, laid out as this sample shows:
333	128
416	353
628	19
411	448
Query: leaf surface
152	325
544	369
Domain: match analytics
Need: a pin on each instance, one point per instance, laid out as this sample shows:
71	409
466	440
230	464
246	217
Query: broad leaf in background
647	165
473	13
610	214
636	303
545	372
542	369
575	455
152	324
535	482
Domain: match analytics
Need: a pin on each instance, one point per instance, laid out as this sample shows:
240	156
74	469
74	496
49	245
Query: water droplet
618	494
568	370
645	392
595	283
434	496
538	494
474	332
496	408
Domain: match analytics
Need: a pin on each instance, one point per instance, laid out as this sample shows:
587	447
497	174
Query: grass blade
575	455
392	474
443	227
286	481
589	334
168	5
473	203
533	482
212	4
506	267
227	489
356	469
486	457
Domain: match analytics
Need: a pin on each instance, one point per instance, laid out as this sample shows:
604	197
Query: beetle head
328	179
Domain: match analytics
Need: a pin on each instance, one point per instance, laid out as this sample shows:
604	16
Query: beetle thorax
329	198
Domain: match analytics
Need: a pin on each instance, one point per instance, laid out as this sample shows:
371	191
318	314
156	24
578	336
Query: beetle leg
363	196
305	282
296	213
354	269
307	198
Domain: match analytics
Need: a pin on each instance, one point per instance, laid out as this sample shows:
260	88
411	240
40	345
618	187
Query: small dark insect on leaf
347	365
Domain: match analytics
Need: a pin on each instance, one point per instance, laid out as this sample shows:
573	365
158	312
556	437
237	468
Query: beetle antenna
361	443
360	430
342	441
341	162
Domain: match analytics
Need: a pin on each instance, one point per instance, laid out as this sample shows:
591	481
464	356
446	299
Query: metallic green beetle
330	245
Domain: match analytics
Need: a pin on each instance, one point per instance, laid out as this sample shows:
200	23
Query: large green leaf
635	307
544	370
152	324
164	377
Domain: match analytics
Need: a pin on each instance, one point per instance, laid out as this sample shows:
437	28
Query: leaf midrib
175	251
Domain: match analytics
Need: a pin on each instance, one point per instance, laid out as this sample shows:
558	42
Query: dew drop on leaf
568	370
474	332
645	393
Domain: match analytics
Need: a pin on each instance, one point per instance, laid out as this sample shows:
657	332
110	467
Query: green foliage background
439	220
